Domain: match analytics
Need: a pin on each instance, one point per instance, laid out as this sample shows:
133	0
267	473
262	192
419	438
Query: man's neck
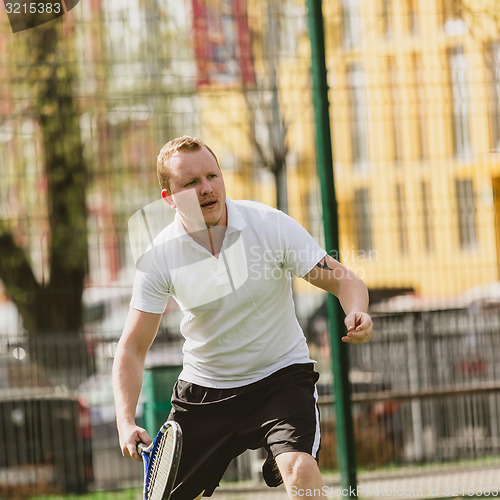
209	237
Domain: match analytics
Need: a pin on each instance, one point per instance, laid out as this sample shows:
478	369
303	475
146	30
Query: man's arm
138	335
331	276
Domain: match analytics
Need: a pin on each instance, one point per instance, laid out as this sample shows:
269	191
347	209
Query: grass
136	493
130	494
428	466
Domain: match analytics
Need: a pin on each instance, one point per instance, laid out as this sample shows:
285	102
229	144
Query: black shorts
279	412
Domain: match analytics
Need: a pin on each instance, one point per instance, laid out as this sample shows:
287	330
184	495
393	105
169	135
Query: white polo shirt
239	319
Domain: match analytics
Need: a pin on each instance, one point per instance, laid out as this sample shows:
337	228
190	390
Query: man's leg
301	475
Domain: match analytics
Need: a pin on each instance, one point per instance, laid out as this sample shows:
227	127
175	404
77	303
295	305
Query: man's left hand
359	328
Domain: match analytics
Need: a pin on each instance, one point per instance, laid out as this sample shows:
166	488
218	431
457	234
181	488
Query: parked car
46	441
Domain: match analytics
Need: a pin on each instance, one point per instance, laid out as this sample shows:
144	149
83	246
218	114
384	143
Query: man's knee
298	468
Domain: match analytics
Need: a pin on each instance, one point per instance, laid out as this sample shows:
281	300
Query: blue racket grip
143	450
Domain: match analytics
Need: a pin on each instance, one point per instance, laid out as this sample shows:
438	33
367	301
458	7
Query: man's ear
168	198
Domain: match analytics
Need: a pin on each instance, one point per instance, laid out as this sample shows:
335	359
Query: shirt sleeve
151	290
300	252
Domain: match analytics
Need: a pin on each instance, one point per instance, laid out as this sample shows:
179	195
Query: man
247	379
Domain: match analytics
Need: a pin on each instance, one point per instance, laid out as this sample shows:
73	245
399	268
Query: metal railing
425	390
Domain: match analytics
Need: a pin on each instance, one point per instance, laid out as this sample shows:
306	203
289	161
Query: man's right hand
130	437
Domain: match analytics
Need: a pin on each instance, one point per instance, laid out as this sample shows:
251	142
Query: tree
263	106
53	306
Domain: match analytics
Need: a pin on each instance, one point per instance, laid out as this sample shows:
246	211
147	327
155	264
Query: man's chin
212	219
212	223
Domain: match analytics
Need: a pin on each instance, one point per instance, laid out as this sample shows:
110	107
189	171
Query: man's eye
190	183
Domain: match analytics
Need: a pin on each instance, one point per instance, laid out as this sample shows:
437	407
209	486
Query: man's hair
184	143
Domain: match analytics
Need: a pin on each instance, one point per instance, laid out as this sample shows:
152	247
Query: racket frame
145	451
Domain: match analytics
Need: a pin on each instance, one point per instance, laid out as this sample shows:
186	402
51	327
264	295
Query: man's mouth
209	204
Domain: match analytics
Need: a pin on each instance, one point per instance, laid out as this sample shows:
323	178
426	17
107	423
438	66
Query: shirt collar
235	221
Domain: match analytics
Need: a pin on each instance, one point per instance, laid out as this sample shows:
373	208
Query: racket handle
141	447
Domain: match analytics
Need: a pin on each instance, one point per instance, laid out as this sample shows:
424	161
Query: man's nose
205	186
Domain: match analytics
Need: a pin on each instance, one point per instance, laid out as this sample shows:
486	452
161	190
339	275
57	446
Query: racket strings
160	467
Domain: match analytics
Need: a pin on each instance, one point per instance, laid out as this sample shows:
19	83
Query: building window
494	59
427	216
314	213
402	217
452	9
458	78
396	122
363	223
453	22
387	18
411	8
351	23
358	114
291	19
419	89
466	213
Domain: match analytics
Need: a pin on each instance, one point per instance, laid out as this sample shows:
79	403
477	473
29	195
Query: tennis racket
161	461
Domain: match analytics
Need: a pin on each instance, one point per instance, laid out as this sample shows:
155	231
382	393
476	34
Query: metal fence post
324	163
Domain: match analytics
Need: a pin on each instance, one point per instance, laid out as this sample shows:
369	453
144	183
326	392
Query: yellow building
415	127
415	114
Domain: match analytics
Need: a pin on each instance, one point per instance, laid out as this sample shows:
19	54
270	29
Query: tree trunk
53	307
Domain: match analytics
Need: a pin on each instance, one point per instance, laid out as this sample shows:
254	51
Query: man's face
197	189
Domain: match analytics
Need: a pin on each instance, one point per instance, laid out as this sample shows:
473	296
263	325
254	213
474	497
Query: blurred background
86	103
